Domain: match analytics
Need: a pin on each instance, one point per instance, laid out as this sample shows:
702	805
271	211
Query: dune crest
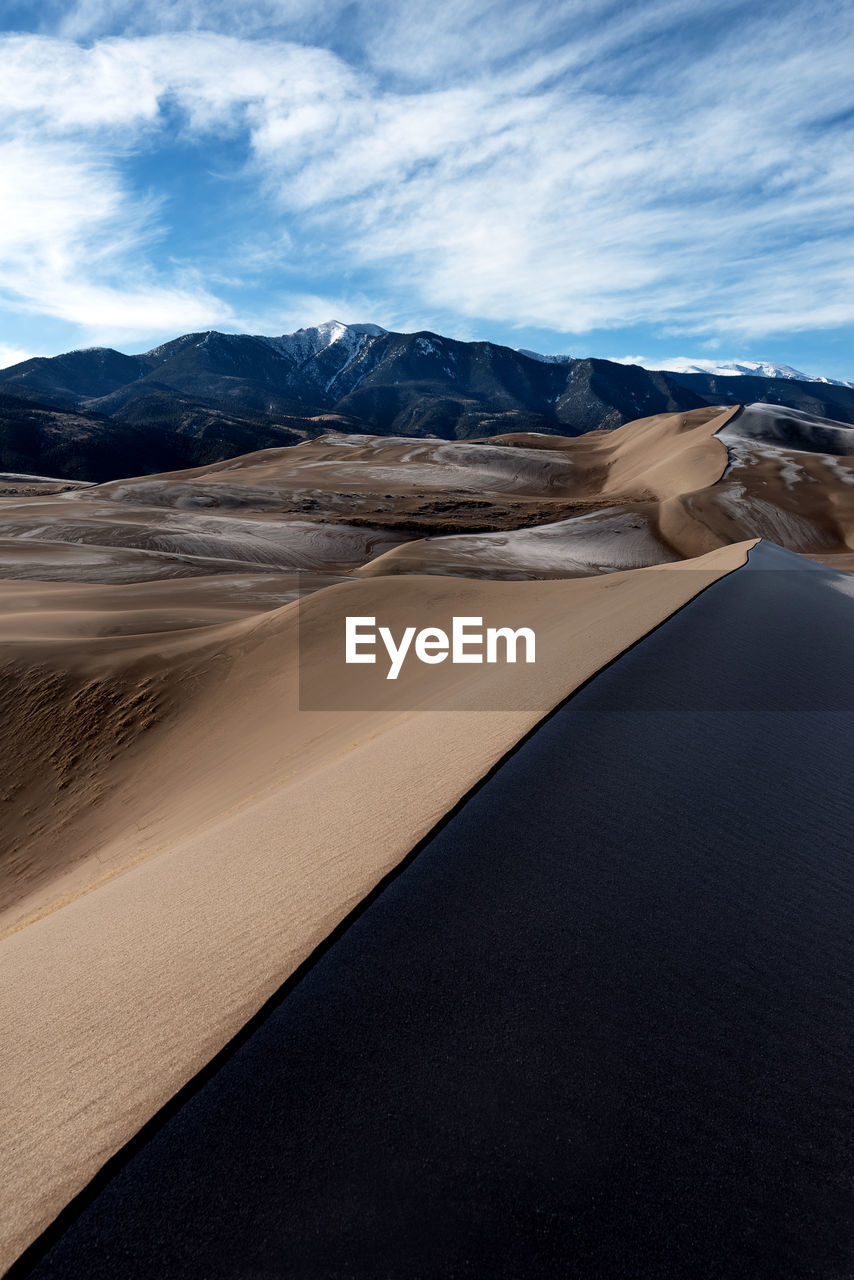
227	861
180	833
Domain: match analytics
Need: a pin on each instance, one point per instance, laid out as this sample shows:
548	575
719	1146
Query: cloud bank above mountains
564	167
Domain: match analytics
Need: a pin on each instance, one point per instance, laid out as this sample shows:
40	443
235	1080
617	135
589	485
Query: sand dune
788	480
604	541
708	481
20	484
600	1027
657	457
132	544
364	466
334	504
231	832
91	680
789	428
180	830
23	477
48	561
671	486
643	463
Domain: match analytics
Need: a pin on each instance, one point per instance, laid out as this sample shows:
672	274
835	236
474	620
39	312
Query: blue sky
645	180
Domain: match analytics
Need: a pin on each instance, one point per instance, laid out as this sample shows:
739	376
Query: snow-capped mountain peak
304	344
735	369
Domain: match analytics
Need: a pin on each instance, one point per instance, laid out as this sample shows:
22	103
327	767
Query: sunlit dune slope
663	488
232	831
790	479
686	484
333	504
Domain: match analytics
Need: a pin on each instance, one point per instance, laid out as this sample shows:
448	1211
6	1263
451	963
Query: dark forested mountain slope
206	396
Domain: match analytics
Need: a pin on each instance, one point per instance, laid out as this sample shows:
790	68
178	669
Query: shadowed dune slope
232	831
790	479
790	428
598	1027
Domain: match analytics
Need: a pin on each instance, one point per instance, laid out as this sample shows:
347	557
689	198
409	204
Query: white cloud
69	239
87	19
567	166
74	237
711	198
683	364
14	355
286	312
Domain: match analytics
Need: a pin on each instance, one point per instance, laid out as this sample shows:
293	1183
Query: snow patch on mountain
537	355
427	347
305	344
732	369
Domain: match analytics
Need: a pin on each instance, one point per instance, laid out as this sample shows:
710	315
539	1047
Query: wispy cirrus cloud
75	237
565	166
703	196
73	243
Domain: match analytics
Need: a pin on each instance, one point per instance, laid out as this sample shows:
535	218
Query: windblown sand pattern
177	834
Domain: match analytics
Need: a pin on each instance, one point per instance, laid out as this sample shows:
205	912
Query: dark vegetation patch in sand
458	513
34	490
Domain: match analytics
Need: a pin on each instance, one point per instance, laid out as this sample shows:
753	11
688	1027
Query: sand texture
598	1027
234	831
681	485
193	790
664	488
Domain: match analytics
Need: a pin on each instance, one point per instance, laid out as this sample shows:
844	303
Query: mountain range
98	414
743	368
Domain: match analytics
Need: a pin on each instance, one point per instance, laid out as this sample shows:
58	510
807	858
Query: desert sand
232	831
669	487
180	830
598	1027
682	484
790	479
